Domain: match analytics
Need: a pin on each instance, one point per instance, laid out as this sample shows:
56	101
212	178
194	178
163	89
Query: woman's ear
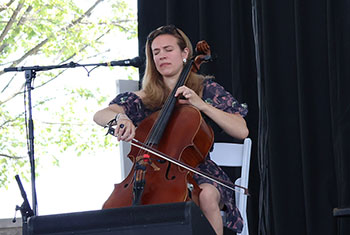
185	53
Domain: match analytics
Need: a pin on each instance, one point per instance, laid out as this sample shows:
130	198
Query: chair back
236	155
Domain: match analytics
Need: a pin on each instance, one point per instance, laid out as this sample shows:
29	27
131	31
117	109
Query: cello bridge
145	159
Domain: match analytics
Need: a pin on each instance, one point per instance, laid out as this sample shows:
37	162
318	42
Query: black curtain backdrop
304	53
289	61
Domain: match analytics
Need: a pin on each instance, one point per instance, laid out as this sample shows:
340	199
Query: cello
153	180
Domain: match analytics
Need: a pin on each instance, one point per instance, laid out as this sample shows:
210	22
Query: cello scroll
203	55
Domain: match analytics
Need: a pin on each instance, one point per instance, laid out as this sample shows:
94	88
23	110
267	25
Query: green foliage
53	31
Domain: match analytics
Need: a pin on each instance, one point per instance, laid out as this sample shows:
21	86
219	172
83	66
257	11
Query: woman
167	49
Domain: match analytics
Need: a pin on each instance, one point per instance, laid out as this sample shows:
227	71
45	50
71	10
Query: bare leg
209	199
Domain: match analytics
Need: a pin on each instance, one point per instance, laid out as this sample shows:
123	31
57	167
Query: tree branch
50	80
7	85
37	47
6	123
85	46
3	46
67	123
18	92
12	20
11	157
86	14
24	17
21	21
29	53
115	23
6	6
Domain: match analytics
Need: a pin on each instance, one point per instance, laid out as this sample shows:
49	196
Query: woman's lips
164	64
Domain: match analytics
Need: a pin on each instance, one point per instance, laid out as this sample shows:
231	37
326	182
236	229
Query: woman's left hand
232	124
191	97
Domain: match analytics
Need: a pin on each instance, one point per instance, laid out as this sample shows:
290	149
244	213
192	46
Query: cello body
186	138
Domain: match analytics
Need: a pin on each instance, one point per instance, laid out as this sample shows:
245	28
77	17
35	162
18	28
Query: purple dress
215	95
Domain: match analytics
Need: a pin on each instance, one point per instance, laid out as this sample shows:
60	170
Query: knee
209	198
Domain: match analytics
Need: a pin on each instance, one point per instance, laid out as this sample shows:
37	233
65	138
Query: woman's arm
232	124
103	116
124	128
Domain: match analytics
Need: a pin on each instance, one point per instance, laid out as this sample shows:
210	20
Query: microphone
135	62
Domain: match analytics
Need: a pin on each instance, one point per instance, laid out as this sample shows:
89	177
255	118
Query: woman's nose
162	56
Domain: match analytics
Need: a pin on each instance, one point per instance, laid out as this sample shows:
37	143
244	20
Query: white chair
236	155
124	147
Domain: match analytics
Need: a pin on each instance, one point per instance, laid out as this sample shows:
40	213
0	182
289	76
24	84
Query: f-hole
167	173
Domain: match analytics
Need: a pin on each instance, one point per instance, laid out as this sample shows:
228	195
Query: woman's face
167	55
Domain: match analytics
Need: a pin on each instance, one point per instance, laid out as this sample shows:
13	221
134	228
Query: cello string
168	107
218	181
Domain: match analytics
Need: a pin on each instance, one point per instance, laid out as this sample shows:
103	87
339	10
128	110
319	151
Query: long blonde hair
156	92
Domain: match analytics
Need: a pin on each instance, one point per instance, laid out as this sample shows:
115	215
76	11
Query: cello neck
165	113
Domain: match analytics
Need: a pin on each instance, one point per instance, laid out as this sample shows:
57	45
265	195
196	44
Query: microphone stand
25	209
29	76
30	73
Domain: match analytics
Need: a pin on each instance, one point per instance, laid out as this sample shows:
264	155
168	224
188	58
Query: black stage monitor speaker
170	219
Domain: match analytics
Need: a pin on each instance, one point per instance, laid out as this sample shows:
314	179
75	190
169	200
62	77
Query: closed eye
169	48
156	51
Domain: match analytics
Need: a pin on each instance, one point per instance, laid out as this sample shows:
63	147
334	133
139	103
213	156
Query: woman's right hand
125	129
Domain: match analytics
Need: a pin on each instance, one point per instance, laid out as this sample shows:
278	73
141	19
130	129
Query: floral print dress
215	95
